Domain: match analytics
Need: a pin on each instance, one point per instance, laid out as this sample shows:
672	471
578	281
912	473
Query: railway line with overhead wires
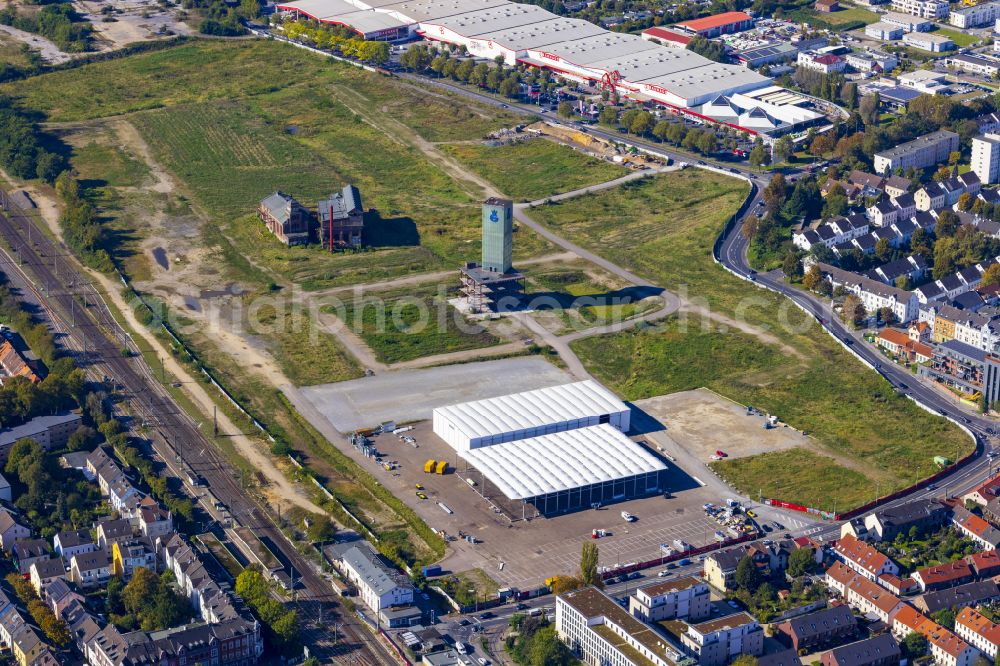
49	279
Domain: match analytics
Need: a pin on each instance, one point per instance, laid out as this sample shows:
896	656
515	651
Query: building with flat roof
985	160
569	470
884	30
965	368
671	38
908	22
718	24
928	9
483	423
924	151
973	64
685	598
719	641
928	41
600	631
985	13
51	432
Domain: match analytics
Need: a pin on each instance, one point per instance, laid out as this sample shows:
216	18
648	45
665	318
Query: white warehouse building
558	449
470	425
575	49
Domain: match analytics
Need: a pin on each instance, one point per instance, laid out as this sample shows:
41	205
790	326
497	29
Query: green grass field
849	15
960	38
667	237
535	168
403	326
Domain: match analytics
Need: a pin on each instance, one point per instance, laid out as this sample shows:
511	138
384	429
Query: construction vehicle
442	467
429	466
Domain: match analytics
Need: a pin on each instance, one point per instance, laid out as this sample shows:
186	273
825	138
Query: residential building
969	370
71	542
979	631
126	556
233	642
194	581
945	194
58	596
990	489
886	523
817	630
719	641
44	572
928	9
941	576
972	64
871	598
720	566
837	230
838	576
11	531
900	345
685	598
154	521
600	631
110	531
873	295
27	646
826	63
16	360
286	218
26	551
985	160
985	563
985	13
826	6
969	594
51	432
863	558
946	648
378	584
341	219
928	41
89	570
921	152
5	490
880	650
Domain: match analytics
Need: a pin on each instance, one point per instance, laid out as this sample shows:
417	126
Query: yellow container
429	466
442	466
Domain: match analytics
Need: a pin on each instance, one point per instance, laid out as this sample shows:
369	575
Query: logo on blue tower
493	216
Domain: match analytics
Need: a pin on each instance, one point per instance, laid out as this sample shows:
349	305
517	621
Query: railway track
49	277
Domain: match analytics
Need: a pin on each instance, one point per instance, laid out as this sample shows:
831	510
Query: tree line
57	22
337	38
23	150
281	624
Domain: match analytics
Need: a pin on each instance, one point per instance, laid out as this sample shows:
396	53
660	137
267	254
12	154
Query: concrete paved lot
532	550
411	395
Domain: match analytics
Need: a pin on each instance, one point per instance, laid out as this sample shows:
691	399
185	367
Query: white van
461	647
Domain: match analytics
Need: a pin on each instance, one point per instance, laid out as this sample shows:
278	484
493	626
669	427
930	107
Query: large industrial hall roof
561	461
493	19
339	11
532	409
600	47
547	32
418	11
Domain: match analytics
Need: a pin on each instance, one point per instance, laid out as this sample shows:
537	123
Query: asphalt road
46	277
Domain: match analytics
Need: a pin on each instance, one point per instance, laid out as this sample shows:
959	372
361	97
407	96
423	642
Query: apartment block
924	151
685	598
979	631
986	157
928	9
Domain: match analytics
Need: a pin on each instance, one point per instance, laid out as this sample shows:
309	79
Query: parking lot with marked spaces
411	395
